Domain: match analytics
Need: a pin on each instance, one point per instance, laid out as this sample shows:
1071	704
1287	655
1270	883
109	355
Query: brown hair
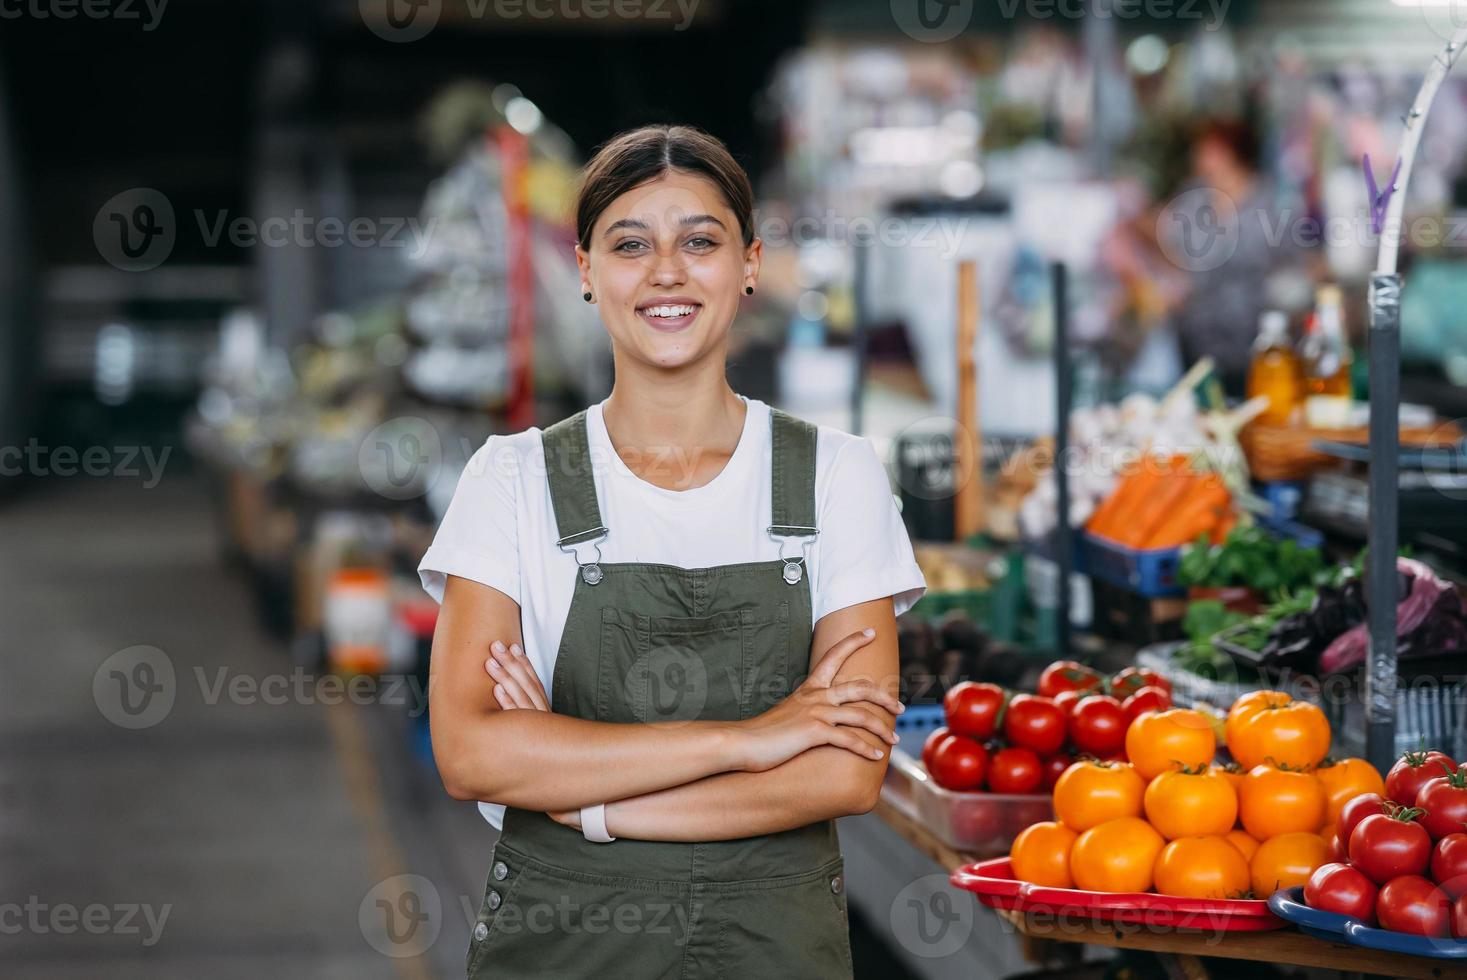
640	155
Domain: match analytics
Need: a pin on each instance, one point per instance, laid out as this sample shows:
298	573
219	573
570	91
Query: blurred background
270	272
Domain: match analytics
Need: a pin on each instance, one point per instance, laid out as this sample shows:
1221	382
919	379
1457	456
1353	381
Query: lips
669	314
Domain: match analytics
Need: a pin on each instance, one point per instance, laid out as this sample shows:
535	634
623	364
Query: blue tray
1149	572
1288	904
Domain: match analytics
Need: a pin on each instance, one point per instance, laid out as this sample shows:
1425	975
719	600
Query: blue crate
915	724
1147	572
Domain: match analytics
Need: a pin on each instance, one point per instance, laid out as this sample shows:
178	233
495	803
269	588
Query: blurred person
706	587
1217	230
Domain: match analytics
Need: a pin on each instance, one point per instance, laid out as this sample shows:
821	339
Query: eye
701	241
629	246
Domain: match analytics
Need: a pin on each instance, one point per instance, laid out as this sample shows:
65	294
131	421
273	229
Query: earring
586	297
748	290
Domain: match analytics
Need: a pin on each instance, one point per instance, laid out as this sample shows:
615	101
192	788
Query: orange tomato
1280	801
1201	867
1175	739
1285	861
1187	803
1295	735
1327	832
1246	845
1090	793
1041	854
1345	780
1232	772
1249	705
1117	856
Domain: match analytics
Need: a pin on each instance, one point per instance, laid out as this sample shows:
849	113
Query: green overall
655	643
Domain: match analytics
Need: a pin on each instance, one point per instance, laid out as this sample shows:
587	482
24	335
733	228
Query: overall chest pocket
725	667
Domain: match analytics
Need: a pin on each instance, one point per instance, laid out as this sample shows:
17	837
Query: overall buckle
591	572
794	565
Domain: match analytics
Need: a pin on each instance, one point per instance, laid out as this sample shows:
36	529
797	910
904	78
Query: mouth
671	315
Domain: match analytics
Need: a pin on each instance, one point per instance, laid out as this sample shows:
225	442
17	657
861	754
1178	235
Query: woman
672	561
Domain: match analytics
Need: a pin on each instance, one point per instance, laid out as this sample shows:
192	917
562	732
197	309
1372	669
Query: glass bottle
1275	371
1327	359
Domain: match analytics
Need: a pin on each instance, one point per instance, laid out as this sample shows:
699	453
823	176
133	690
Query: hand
817	713
570	818
516	684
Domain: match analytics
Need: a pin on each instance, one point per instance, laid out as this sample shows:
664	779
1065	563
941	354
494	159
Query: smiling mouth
670	316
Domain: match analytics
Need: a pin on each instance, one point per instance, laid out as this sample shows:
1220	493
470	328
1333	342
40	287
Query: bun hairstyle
637	156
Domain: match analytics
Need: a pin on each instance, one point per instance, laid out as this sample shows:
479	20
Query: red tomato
1066	701
1459	918
1133	679
1355	811
959	763
1337	849
1034	723
1341	889
1444	798
1449	865
1067	675
930	743
1052	768
972	709
1385	847
1014	770
1148	698
1098	726
1412	904
1411	772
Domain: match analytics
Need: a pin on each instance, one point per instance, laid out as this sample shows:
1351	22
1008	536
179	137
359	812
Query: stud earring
586	297
748	290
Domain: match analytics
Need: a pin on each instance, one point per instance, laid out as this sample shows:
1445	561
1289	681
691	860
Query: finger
524	675
511	686
502	697
855	717
835	658
864	689
846	738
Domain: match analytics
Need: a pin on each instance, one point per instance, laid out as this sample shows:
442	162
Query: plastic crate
979	823
915	724
1147	572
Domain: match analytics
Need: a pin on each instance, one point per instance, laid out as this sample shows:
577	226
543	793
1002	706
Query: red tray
993	883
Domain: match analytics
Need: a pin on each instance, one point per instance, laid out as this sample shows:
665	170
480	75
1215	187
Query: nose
667	269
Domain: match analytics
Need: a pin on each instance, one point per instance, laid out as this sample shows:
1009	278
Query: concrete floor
230	836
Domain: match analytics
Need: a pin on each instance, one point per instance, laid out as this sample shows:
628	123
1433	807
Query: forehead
663	204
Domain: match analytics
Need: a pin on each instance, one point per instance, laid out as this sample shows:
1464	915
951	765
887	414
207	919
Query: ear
583	265
753	260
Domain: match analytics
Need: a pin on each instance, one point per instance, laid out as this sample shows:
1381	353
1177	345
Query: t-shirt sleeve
864	552
478	538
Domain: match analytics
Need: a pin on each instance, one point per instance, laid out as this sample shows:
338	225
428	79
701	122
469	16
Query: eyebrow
639	225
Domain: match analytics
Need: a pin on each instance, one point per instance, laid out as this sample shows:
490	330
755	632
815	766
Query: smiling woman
667	650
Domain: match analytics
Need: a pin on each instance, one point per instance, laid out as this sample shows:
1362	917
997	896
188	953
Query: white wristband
593	824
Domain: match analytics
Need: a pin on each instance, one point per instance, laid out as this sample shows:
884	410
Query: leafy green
1252	558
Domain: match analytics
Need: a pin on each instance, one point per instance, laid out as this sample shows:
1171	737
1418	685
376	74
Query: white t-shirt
500	528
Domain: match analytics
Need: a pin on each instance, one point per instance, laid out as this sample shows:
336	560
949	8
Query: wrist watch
593	824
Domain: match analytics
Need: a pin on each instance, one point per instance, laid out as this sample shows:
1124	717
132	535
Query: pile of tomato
1022	743
1399	857
1174	820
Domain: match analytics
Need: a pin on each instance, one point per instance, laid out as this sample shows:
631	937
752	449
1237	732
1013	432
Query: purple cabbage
1430	621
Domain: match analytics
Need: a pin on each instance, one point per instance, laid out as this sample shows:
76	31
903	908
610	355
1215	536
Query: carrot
1138	489
1178	489
1200	514
1224	527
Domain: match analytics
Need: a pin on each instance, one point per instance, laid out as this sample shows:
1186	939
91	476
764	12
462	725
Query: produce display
1170	818
1165	503
1022	743
1400	861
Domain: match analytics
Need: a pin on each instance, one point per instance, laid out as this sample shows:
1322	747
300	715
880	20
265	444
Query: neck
691	408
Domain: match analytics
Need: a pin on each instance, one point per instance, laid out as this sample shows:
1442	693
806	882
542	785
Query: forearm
820	784
538	760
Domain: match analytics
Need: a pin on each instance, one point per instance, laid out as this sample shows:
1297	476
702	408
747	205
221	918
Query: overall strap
572	483
793	501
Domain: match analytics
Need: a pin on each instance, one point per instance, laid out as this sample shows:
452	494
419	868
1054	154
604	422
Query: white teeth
669	311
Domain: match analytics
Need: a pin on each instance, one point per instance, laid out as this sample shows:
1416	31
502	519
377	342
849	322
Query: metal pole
1380	582
1064	544
861	283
